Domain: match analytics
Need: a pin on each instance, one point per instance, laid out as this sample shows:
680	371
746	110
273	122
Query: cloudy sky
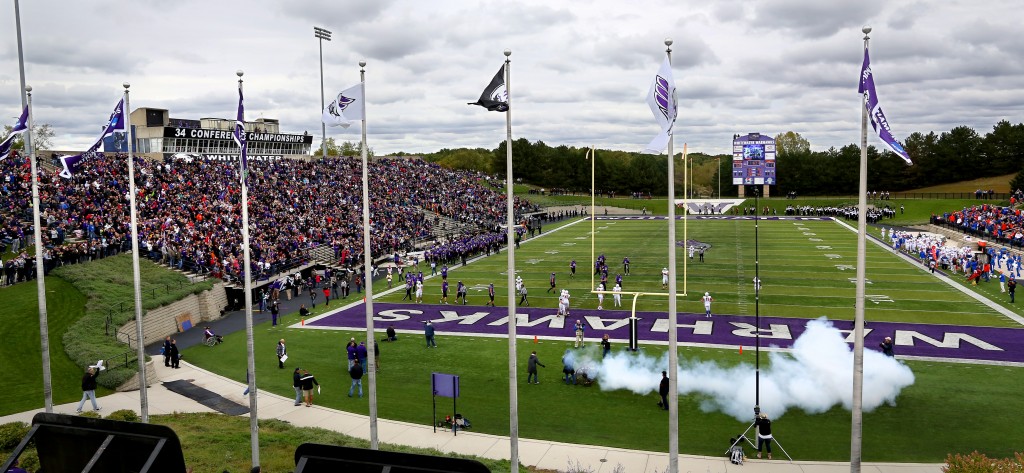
580	70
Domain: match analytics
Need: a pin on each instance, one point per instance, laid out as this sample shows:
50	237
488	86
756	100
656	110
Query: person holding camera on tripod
764	434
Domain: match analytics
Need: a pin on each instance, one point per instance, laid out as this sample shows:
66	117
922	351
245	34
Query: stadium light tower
322	34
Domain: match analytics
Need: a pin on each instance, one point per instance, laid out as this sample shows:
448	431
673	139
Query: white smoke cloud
815	376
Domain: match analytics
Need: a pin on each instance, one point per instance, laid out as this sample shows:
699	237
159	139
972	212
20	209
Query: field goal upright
633	331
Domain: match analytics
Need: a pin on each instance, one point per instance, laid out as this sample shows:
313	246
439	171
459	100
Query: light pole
322	34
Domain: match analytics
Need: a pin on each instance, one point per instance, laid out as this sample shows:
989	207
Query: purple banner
875	115
239	134
20	126
921	340
445	385
717	217
116	122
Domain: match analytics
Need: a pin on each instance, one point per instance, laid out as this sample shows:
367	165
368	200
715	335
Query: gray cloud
335	16
579	75
636	51
809	19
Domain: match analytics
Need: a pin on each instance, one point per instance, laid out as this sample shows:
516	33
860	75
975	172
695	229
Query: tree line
957	155
939	158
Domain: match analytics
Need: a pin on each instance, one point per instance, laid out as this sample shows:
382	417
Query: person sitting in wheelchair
208	334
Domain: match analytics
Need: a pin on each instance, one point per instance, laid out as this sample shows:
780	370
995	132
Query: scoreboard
753	159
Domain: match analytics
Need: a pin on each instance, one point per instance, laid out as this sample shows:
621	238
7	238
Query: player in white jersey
579	326
707	304
419	292
519	283
664	278
617	294
600	297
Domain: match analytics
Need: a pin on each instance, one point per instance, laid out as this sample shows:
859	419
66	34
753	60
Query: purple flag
19	127
875	115
114	124
240	131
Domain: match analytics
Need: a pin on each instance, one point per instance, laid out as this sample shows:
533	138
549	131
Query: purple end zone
940	341
716	217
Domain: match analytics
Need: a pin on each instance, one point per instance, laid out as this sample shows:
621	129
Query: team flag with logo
346	108
239	133
495	96
875	115
19	127
662	100
114	124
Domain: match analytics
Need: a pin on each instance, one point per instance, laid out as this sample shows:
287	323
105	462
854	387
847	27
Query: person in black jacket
392	336
357	378
531	368
297	384
89	388
175	356
308	381
663	391
886	347
764	434
167	352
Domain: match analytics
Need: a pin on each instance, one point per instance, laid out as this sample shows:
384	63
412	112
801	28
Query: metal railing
125	359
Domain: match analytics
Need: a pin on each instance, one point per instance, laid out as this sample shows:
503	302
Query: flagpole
139	342
21	65
856	421
673	342
592	153
513	393
322	34
44	330
687	189
254	436
371	365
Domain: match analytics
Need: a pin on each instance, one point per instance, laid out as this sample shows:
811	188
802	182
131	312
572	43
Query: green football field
806	267
806	271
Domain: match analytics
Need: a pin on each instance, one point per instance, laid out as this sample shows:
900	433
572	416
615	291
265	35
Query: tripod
743	437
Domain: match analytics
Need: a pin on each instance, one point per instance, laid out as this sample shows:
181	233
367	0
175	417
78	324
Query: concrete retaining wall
160	322
133	383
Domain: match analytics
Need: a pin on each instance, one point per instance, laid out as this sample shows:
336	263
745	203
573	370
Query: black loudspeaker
73	443
314	458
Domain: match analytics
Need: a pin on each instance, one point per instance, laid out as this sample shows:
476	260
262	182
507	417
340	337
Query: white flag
346	108
662	100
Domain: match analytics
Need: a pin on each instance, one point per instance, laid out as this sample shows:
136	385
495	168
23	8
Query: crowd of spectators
189	210
1001	224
